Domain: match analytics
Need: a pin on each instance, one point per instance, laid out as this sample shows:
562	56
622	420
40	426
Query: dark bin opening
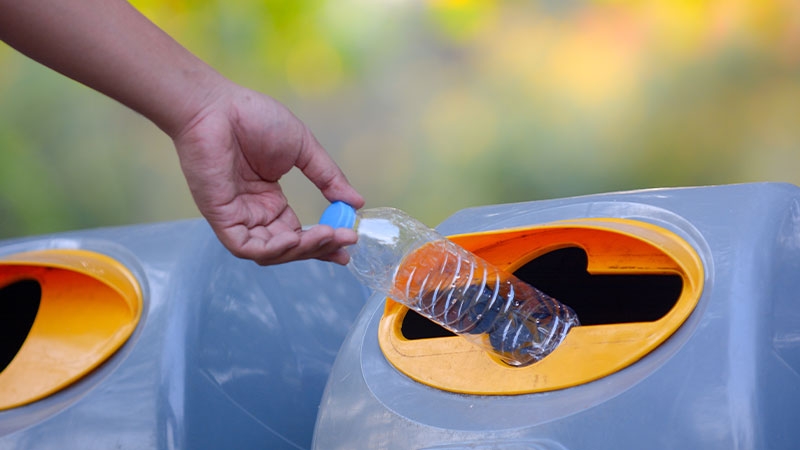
596	299
415	326
19	303
601	299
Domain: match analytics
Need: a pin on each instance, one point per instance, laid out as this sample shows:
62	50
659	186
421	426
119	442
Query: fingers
318	166
235	182
339	256
318	242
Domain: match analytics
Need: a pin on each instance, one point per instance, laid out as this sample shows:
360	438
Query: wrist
191	92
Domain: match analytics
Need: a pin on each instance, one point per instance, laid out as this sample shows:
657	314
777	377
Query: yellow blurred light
518	46
462	19
598	63
681	27
314	67
162	12
460	126
10	64
382	160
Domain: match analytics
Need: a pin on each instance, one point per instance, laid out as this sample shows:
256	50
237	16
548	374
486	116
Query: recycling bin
690	315
154	337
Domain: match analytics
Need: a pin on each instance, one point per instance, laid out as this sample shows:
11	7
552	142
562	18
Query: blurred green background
433	106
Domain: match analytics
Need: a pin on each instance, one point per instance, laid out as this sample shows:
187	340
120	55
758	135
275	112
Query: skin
234	144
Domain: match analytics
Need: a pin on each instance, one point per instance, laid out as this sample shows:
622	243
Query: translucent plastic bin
689	307
155	337
690	313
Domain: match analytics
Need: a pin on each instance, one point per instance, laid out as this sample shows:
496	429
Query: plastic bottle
418	267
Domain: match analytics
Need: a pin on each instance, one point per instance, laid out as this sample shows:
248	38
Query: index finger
319	167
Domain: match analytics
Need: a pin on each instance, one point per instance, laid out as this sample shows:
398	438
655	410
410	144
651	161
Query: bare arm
109	46
234	144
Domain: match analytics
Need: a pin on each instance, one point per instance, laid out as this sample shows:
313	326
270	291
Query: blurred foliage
433	106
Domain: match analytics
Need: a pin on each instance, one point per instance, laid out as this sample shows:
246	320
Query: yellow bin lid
89	306
613	246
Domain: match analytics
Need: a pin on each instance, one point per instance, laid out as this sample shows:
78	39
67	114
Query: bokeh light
433	106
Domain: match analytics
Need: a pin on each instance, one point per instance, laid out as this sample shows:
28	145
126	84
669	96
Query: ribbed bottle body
420	268
473	298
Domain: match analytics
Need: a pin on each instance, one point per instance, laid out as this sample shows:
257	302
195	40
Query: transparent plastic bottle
418	267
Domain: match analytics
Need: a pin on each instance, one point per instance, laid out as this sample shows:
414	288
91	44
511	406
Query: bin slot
597	299
415	326
631	283
600	299
63	312
19	302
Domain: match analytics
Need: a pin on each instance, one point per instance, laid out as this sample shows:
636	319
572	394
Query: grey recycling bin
690	338
155	337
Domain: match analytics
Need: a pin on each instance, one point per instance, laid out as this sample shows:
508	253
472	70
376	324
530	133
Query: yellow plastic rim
90	304
613	246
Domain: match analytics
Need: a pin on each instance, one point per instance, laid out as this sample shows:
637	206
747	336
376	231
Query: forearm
109	46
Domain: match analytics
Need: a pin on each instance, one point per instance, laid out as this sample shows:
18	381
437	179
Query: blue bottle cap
338	215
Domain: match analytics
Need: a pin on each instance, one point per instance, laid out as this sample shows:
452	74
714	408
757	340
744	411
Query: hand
233	152
233	144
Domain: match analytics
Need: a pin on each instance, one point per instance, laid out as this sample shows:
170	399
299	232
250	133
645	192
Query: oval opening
63	312
631	283
597	299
